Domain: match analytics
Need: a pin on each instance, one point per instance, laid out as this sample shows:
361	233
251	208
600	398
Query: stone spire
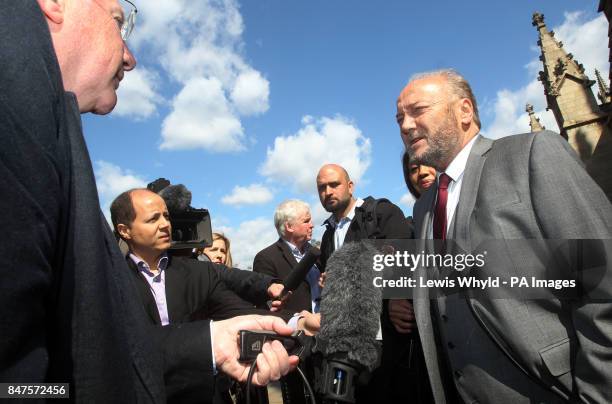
534	121
567	89
604	91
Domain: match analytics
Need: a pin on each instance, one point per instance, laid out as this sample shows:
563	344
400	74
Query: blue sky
243	101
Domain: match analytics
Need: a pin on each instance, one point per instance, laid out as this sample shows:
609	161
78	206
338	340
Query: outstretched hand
272	363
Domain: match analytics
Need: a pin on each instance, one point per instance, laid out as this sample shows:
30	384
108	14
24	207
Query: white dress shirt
157	283
455	171
312	277
341	227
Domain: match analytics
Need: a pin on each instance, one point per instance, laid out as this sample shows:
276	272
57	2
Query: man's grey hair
457	84
288	211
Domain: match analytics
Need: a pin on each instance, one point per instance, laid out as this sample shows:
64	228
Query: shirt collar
331	221
162	264
456	167
295	251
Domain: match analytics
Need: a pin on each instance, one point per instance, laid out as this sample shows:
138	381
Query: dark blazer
248	285
277	261
193	290
69	313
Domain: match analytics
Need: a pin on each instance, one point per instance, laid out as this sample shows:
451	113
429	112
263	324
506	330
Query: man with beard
352	220
529	186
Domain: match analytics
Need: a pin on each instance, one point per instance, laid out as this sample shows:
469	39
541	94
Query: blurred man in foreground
68	311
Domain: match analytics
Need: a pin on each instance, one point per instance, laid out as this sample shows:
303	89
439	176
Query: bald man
348	223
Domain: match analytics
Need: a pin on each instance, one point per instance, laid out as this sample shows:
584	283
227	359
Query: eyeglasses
125	25
128	23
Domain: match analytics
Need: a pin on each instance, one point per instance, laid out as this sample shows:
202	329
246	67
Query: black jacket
69	311
193	291
391	225
277	261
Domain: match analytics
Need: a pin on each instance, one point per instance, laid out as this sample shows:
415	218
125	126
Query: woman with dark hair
418	177
409	379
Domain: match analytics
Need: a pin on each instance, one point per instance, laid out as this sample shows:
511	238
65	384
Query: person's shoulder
528	138
187	263
383	206
269	250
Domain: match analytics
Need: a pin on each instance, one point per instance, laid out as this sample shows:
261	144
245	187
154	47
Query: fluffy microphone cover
351	304
177	197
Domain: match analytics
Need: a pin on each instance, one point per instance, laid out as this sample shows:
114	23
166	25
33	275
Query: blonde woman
219	251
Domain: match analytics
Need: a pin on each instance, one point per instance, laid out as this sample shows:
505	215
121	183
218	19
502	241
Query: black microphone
299	272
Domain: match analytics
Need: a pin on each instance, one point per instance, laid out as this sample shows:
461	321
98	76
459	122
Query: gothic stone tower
580	119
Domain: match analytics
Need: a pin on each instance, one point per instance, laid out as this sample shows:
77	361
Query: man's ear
466	111
124	231
288	228
53	10
351	187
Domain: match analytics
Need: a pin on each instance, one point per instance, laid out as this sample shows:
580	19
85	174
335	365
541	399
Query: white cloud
198	42
201	117
248	239
254	194
250	93
582	38
111	180
137	95
585	39
296	159
407	200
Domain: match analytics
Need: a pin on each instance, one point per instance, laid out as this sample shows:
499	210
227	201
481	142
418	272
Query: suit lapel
287	254
422	304
144	290
175	291
459	227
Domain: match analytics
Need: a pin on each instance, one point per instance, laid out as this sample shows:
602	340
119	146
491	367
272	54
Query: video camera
191	227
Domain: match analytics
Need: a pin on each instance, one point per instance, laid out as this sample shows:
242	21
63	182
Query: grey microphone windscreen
177	197
351	305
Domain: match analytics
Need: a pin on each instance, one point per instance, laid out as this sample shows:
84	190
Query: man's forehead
114	6
331	173
147	200
425	89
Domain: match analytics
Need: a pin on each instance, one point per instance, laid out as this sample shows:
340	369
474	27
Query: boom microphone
299	272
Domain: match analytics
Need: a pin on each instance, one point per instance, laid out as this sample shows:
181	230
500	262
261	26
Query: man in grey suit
531	186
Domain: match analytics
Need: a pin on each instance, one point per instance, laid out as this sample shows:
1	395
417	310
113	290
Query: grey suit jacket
531	186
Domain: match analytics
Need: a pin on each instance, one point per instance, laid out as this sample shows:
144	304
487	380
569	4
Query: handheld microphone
345	350
351	306
299	272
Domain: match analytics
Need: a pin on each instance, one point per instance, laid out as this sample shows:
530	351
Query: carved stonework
603	92
534	121
538	19
585	124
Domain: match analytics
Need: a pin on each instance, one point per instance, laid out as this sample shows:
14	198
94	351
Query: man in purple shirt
173	289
